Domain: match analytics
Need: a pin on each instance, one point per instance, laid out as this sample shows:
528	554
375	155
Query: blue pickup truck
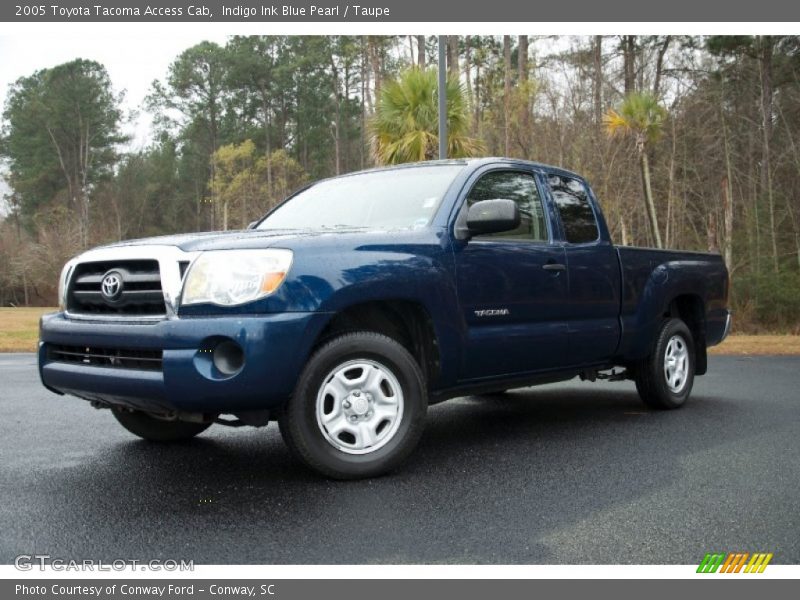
361	300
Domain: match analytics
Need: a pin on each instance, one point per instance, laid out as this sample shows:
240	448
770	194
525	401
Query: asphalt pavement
566	473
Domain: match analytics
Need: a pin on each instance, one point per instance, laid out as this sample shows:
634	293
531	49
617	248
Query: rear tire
664	379
358	409
154	429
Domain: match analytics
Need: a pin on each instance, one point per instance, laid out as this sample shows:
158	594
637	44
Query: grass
738	345
19	330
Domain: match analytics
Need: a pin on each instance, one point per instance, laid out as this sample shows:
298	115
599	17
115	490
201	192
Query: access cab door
512	286
593	273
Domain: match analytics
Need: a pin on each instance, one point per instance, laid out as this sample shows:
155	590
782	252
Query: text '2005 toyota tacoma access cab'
362	299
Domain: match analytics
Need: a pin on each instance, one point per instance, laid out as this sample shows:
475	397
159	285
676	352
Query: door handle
554	267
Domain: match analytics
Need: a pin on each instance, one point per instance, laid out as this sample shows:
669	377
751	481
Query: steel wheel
676	364
665	377
358	409
359	406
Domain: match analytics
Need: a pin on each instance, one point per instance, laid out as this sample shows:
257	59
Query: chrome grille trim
138	288
173	264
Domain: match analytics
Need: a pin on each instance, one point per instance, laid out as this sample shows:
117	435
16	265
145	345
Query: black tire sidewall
299	420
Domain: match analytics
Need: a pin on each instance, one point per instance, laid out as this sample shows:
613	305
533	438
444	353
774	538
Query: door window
521	188
577	216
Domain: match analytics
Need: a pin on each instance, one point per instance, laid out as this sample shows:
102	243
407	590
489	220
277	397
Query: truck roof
472	162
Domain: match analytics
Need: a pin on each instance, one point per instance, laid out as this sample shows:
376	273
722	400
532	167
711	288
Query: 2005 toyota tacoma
362	299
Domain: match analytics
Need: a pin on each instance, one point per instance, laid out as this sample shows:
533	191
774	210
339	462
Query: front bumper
275	346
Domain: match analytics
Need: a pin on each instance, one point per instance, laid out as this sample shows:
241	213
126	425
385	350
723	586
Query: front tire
664	379
358	409
154	429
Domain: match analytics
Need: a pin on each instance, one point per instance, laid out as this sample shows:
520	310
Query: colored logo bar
735	562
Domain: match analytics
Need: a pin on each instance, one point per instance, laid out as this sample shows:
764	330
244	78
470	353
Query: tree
196	88
343	56
765	48
641	117
628	44
522	78
61	135
507	94
405	126
452	56
725	174
145	196
253	61
775	58
241	185
320	109
597	80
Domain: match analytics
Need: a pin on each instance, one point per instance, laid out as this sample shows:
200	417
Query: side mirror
492	216
252	224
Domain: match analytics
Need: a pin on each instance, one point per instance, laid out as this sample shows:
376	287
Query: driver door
512	286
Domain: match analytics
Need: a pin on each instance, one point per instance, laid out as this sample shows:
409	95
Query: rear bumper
727	330
275	349
718	326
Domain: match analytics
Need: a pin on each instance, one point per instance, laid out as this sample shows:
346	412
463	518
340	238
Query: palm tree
641	117
405	126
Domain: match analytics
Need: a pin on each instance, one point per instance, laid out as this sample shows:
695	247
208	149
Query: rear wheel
156	429
358	409
665	378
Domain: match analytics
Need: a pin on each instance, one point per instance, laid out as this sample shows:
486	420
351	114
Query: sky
133	61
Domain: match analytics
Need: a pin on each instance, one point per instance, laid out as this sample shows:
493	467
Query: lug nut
354	418
356	394
346	404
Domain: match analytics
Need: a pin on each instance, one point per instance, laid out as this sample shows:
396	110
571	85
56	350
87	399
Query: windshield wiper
342	226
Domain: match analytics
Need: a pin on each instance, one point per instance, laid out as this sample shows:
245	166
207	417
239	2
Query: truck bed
649	275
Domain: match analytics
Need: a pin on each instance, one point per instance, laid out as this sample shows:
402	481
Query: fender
665	282
333	278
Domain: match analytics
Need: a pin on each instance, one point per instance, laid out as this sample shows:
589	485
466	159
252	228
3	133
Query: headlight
229	277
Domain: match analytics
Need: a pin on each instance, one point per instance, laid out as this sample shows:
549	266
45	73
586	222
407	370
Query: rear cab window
574	208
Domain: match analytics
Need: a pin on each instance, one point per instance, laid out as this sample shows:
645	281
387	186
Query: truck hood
246	239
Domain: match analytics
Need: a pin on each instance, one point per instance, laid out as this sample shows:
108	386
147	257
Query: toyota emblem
111	286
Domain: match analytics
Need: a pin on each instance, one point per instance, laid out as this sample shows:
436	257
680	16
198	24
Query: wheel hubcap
359	406
676	364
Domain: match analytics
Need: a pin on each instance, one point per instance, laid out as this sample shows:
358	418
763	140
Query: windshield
391	199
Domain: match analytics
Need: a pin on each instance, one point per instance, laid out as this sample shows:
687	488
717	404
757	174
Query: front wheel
154	429
665	378
358	409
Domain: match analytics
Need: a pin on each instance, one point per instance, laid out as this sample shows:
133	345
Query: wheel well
406	322
689	308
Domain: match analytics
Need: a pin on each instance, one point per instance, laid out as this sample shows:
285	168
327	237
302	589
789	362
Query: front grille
139	292
143	360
